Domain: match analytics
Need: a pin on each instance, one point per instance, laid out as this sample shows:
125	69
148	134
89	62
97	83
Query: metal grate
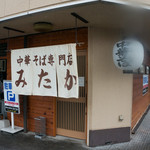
71	115
40	126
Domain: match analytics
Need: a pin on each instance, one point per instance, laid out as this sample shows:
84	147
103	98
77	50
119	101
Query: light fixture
42	26
128	54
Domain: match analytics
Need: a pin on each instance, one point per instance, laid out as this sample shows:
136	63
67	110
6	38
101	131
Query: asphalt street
21	141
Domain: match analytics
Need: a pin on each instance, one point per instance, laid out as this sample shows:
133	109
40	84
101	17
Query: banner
44	71
21	71
34	71
67	73
11	99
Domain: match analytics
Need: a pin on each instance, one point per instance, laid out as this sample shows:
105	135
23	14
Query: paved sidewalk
139	141
21	141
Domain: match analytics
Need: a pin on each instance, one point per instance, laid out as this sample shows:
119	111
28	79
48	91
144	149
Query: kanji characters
51	59
41	76
43	60
122	51
20	60
69	80
27	60
20	80
62	58
70	59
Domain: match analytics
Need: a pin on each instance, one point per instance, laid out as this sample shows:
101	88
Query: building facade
111	103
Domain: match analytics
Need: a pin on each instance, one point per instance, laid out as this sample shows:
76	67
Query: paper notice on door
81	81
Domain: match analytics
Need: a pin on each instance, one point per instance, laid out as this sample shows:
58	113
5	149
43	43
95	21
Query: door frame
73	134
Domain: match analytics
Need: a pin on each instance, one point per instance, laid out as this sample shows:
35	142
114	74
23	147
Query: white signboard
34	71
10	98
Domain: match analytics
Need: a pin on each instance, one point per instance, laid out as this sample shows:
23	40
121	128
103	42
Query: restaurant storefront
111	103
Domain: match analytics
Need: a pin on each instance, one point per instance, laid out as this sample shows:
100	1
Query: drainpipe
25	99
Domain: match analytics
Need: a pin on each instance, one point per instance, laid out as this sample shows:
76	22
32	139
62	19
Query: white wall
109	90
13	7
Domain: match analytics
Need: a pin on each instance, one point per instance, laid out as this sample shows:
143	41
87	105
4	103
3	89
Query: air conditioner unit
2	65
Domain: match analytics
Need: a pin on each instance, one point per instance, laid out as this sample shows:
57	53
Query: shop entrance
72	113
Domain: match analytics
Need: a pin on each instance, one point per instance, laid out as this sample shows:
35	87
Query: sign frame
145	84
12	105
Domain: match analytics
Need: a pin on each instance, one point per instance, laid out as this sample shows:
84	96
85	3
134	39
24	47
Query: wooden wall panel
38	105
45	107
140	102
60	37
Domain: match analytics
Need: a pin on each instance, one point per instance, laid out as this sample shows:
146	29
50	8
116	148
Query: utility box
40	127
